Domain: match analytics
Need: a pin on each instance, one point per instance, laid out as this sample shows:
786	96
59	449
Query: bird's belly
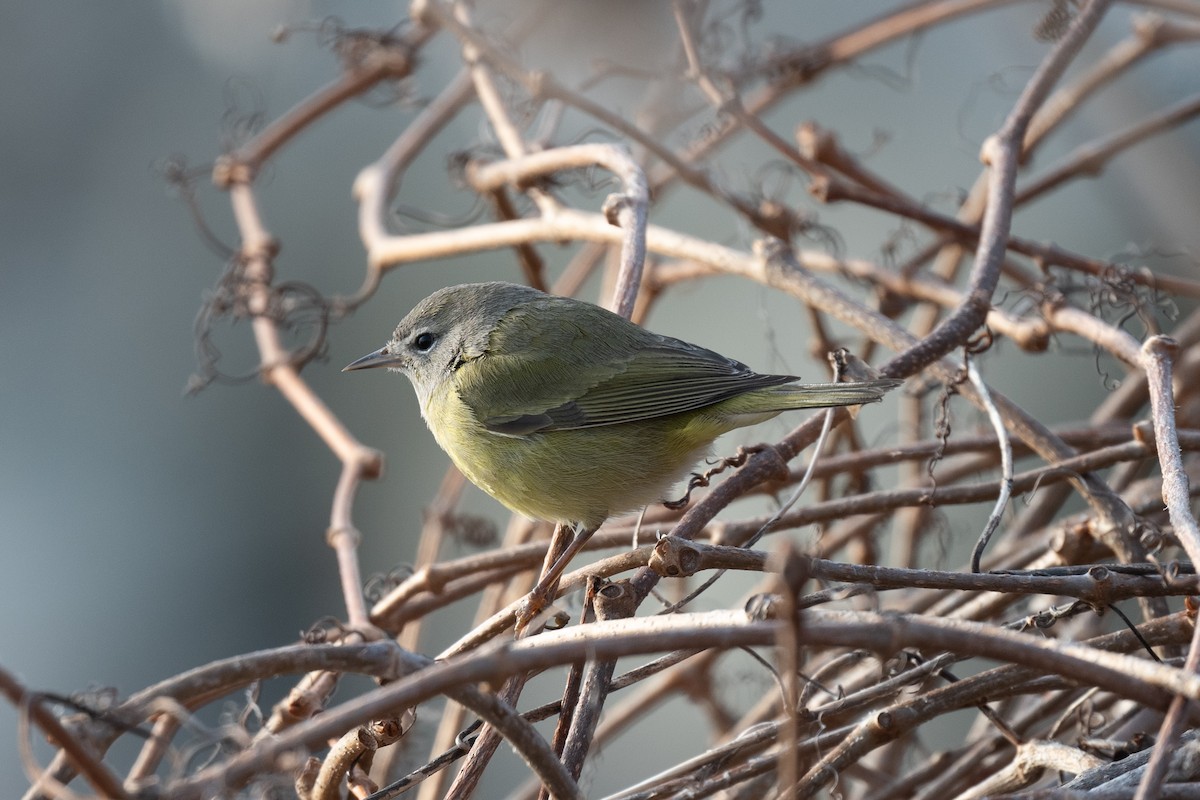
578	476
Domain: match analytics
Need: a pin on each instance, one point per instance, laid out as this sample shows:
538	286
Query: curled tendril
300	311
377	586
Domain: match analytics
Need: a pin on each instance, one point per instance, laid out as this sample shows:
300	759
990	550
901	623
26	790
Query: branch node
991	150
674	557
370	463
1148	27
614	204
1161	347
343	537
229	171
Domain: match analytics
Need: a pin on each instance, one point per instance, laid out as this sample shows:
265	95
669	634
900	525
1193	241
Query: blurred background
144	532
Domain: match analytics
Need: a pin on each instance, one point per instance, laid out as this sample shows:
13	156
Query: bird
566	412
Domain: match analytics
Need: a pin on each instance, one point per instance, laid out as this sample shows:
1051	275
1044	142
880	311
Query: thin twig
1006	464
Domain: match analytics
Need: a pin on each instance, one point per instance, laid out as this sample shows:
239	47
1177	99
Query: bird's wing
582	374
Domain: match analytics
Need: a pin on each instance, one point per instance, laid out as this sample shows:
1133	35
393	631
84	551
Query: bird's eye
423	341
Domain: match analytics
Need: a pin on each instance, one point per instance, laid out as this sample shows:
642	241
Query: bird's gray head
451	326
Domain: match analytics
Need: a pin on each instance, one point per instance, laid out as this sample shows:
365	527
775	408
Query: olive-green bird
566	412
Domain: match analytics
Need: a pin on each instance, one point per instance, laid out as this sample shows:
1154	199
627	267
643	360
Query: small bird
566	412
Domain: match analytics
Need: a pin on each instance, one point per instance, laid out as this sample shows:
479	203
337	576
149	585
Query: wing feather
586	372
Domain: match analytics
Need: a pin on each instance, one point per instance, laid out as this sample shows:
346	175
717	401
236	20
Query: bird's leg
558	556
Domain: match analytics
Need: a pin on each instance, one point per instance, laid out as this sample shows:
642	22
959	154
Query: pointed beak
380	358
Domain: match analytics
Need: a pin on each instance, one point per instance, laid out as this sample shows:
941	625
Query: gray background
144	532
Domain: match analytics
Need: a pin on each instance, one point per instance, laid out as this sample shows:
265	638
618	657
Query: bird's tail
821	395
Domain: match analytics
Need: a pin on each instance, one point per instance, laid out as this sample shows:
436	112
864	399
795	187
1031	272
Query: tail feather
822	395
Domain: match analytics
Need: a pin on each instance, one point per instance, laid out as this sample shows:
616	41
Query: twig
376	183
358	461
1006	463
30	709
1172	726
1028	764
385	60
1001	153
612	601
1158	353
346	752
1090	159
627	212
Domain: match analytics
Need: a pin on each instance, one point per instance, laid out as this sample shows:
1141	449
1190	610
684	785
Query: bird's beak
380	358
